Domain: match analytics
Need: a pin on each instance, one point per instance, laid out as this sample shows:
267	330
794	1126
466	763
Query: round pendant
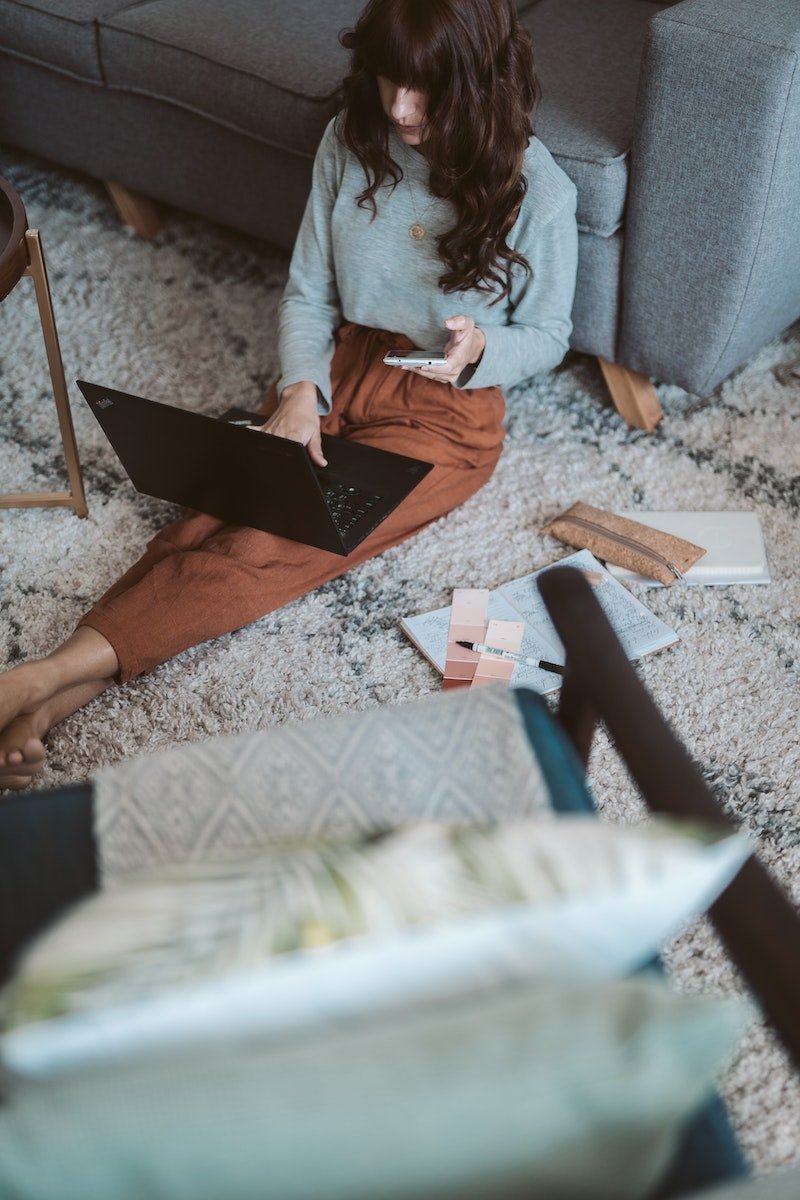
417	231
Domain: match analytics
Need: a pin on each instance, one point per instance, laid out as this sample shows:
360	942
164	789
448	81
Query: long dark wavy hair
474	61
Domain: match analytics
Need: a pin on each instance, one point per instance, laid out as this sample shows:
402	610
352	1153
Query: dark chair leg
754	917
576	715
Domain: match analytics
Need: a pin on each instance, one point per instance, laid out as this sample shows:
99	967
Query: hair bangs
402	42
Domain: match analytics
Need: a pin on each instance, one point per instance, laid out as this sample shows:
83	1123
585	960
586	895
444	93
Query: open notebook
639	630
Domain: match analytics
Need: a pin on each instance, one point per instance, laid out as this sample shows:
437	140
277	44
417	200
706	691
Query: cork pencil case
624	542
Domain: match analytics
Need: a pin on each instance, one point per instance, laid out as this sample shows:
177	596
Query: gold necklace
416	231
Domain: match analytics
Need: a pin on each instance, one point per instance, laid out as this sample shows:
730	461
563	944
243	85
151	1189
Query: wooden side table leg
633	394
137	211
38	273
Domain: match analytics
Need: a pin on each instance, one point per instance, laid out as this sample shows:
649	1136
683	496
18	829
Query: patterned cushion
464	756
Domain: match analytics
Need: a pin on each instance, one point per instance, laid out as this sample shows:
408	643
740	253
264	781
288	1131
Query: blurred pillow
521	1090
294	935
780	1185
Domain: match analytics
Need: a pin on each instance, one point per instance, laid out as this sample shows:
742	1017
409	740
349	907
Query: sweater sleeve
535	336
310	309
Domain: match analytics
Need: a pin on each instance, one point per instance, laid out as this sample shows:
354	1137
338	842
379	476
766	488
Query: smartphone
416	358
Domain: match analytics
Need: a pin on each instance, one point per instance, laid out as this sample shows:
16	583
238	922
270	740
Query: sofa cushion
264	69
57	33
587	55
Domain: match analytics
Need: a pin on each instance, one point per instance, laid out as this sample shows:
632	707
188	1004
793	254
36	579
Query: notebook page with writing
639	631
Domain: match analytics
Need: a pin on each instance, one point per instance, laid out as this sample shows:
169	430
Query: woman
434	216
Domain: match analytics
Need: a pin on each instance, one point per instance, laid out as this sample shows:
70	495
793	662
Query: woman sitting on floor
433	208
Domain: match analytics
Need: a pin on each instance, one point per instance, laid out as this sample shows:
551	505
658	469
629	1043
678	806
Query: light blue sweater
348	268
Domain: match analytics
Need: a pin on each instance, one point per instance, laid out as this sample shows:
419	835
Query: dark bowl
13	252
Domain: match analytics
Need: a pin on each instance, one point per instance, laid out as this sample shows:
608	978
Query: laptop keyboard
347	504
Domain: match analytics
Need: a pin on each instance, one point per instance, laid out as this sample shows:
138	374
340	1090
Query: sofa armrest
712	242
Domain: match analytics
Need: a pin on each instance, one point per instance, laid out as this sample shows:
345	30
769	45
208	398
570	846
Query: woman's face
405	109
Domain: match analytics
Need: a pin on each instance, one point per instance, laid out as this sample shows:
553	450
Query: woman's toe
18	766
15	783
33	751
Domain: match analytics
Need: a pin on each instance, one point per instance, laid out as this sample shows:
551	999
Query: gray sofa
679	123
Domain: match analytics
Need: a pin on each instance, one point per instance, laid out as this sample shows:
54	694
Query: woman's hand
464	349
297	418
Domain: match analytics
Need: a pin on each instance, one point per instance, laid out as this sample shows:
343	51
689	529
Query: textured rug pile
190	319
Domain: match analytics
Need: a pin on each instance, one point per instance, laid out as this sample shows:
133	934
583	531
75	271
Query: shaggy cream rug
190	318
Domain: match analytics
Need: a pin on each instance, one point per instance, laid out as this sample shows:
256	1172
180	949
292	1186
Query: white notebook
733	540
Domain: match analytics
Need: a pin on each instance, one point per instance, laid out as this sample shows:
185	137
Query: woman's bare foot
22	765
35	696
22	751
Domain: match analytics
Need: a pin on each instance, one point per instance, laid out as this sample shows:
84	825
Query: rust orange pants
200	578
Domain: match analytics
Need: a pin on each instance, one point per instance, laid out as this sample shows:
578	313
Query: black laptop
221	467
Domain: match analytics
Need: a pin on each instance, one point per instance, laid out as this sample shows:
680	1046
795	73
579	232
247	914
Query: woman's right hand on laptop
297	418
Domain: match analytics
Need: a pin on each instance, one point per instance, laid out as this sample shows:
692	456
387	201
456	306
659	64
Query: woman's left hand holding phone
297	418
464	349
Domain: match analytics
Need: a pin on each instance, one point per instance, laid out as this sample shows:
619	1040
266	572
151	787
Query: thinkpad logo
105	402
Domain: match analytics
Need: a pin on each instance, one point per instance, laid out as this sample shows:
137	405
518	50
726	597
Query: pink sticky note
502	635
468	617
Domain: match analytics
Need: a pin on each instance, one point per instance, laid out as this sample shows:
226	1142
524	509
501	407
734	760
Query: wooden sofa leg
633	394
137	211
